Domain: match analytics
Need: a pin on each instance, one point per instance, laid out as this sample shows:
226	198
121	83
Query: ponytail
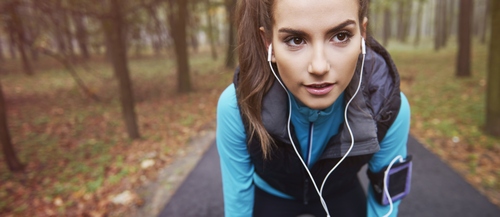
255	77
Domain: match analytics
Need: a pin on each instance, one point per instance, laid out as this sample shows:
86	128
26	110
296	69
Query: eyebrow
330	31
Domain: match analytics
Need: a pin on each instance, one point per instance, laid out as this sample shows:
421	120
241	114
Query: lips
319	89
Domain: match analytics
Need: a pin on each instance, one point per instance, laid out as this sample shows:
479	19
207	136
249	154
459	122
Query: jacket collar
308	115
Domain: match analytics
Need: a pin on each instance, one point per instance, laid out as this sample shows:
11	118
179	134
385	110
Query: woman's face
315	47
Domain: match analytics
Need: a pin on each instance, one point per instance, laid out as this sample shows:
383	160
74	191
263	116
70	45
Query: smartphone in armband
398	181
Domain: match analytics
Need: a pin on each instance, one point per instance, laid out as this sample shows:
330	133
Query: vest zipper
310	144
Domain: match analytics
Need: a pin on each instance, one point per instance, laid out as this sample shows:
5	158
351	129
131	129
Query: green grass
448	113
448	105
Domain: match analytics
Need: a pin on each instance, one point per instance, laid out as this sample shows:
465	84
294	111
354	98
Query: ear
267	43
364	26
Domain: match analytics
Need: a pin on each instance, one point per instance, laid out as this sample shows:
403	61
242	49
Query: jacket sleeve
236	168
393	144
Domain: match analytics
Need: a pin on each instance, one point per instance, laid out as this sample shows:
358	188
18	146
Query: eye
295	41
342	37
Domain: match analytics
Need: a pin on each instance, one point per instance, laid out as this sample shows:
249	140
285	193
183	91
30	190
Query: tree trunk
81	36
387	25
59	33
418	31
194	42
437	25
400	20
68	36
58	19
19	37
32	31
34	55
374	22
136	41
492	125
193	21
118	53
449	20
464	39
177	18
12	44
156	39
24	58
156	44
407	20
10	156
440	20
404	15
487	13
107	42
210	31
230	54
2	57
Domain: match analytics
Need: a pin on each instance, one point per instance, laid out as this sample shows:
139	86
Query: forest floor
80	162
448	113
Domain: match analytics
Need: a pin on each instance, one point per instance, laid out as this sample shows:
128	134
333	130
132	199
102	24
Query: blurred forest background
96	96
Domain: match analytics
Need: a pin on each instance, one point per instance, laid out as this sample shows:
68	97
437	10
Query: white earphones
363	46
386	191
319	191
269	52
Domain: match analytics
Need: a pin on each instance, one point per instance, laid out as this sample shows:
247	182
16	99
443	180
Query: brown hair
255	77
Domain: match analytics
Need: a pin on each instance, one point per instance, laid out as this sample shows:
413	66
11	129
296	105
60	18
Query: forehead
304	13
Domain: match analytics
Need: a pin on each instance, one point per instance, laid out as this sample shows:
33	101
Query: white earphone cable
348	126
386	190
323	202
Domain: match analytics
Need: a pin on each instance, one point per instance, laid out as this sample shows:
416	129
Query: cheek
290	67
345	63
287	74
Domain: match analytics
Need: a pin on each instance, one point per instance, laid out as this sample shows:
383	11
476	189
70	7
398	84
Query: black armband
398	181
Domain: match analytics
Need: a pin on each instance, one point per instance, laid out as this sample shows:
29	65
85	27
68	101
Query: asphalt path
436	190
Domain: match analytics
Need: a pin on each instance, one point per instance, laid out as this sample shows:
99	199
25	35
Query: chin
319	105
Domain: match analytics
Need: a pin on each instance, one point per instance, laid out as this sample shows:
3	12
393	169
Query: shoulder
404	110
401	124
400	128
228	112
382	81
227	100
230	132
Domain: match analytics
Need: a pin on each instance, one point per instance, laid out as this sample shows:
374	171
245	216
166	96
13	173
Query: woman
309	106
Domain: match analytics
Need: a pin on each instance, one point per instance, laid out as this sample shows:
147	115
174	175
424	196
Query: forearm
391	147
236	167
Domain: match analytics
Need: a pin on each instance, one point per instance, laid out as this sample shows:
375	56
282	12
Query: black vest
370	114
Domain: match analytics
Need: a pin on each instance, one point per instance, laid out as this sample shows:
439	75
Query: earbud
363	46
269	52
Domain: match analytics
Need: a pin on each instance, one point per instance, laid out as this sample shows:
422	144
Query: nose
319	64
